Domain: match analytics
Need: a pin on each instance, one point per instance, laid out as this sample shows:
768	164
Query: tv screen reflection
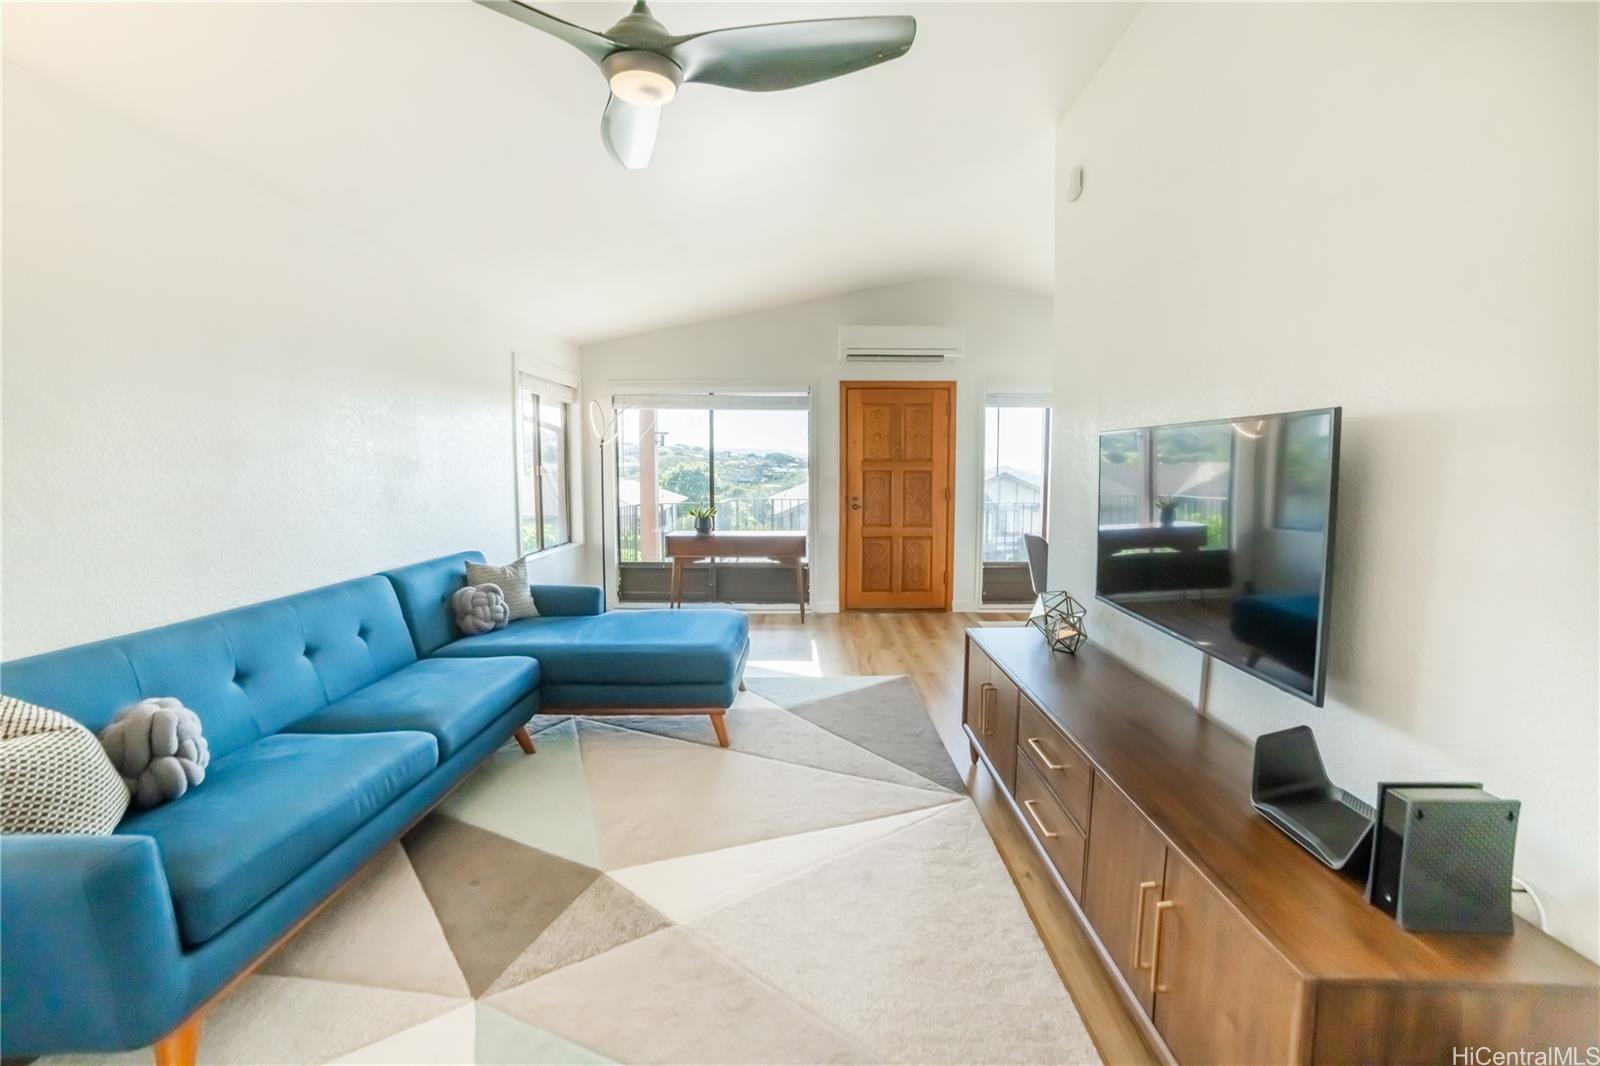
1220	533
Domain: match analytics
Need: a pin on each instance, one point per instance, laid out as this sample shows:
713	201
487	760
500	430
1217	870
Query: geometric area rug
822	891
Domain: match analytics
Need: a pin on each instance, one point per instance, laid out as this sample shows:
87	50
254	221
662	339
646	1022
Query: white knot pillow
157	747
480	609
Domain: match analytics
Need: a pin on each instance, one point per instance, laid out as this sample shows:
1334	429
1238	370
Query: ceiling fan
645	64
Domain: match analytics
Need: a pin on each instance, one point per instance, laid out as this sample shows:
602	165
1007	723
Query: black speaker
1441	858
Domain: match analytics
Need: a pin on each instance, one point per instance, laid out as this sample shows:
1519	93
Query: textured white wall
1391	208
1008	336
212	397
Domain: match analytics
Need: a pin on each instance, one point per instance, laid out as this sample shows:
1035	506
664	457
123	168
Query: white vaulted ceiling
469	143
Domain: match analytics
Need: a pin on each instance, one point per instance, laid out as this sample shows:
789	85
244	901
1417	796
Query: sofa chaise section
591	661
329	737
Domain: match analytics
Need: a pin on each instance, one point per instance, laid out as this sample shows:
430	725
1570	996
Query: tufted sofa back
247	673
425	589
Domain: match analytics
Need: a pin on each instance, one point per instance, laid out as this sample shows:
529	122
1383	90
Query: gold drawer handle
1162	907
1138	926
985	709
1033	742
1028	806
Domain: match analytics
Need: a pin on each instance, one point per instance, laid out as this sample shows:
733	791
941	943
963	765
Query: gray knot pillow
157	747
480	609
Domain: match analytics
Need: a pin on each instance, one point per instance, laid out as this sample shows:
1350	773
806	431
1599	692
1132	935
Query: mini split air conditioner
900	344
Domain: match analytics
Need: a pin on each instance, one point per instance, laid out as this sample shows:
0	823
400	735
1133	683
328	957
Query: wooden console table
1228	941
781	547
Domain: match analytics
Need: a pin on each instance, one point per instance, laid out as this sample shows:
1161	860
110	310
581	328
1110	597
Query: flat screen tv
1221	534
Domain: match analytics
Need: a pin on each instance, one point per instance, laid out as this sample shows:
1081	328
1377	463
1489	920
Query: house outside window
544	505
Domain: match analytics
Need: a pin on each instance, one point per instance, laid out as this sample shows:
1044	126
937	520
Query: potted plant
702	519
1169	509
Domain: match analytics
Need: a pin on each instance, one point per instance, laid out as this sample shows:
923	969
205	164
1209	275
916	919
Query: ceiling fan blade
785	55
591	44
629	131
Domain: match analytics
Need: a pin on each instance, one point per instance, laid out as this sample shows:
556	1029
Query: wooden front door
898	464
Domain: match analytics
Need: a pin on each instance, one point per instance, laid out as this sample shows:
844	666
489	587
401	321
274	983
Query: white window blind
548	391
714	401
1017	396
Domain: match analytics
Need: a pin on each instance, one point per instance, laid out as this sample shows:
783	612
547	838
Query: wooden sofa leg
524	741
181	1046
721	727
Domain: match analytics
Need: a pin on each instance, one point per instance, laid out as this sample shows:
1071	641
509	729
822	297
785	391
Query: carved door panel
898	452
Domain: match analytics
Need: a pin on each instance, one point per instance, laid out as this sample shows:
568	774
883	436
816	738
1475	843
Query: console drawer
1059	762
1050	824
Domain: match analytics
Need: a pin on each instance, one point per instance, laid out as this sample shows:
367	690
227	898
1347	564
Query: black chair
1038	558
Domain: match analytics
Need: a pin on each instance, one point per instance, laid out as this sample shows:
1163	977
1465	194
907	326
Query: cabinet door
978	668
1222	995
999	733
1127	860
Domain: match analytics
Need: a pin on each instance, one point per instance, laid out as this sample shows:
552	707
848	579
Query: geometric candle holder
1060	618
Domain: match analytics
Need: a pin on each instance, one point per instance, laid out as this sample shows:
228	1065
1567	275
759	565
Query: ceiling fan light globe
643	87
642	78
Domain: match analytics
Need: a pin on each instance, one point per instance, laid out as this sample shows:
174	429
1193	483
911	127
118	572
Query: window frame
541	394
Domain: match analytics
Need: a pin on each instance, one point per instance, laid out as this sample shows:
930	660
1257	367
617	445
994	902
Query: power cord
1519	885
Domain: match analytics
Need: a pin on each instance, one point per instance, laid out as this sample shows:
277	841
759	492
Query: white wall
212	397
1008	342
1391	208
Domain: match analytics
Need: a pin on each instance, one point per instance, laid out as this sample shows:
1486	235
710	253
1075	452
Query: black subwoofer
1441	859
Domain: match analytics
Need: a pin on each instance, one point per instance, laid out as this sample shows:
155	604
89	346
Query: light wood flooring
929	647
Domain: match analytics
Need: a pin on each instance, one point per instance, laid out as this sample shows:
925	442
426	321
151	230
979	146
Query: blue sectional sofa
336	718
687	661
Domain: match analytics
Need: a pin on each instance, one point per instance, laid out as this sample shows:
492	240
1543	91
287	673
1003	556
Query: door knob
855	503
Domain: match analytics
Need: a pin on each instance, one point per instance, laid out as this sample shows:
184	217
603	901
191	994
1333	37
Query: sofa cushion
269	810
621	647
424	590
452	699
247	672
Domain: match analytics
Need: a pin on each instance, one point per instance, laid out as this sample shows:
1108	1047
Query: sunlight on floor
811	666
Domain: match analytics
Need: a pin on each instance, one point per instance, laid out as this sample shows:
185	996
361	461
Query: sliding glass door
746	454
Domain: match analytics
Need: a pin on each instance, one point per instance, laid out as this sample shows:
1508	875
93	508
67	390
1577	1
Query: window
543	502
663	471
1016	447
1016	465
745	454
